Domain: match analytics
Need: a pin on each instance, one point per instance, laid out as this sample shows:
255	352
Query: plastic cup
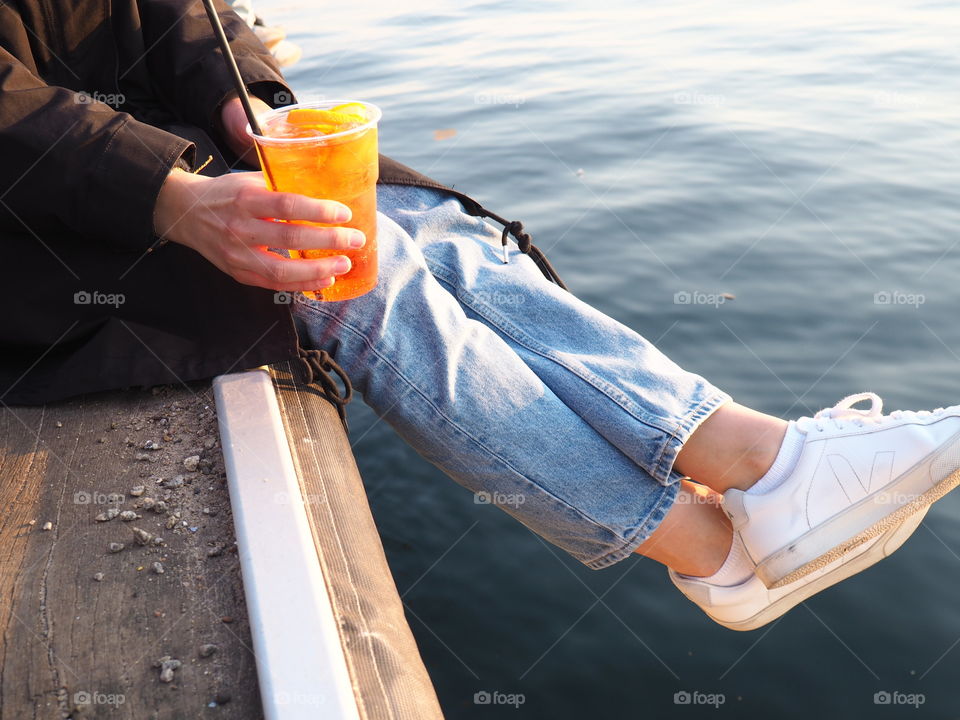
342	166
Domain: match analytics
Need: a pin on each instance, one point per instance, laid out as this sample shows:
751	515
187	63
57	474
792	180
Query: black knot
515	228
319	369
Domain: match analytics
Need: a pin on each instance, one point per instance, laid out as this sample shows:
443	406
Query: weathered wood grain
73	646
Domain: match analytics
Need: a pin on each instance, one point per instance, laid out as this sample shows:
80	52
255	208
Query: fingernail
343	214
341	265
357	239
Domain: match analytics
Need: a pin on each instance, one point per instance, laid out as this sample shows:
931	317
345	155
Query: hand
233	125
222	218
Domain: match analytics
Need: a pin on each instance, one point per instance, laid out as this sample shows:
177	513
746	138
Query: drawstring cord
525	244
318	366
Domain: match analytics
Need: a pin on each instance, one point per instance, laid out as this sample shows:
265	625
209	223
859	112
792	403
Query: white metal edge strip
300	661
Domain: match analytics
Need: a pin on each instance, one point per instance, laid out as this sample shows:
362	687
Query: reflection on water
801	157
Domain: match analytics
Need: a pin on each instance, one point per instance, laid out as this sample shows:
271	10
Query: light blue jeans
560	415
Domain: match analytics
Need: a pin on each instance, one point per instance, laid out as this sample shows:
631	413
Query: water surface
802	157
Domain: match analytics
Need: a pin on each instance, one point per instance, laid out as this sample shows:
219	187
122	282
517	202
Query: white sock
735	569
786	461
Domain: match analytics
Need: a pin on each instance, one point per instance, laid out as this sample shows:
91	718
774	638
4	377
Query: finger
263	203
285	273
302	237
250	278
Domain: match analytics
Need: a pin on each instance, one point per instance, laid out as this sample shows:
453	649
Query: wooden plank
382	656
72	646
300	658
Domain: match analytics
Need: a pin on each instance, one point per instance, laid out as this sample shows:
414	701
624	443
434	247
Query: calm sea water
800	156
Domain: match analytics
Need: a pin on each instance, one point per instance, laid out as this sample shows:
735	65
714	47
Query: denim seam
526	341
641	533
409	383
685	427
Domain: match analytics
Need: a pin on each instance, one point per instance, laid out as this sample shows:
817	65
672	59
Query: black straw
237	79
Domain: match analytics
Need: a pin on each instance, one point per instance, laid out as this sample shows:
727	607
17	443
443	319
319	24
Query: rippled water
800	156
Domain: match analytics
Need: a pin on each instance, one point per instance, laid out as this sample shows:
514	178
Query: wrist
173	202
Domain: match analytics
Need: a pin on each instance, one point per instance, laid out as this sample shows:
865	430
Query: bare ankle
732	448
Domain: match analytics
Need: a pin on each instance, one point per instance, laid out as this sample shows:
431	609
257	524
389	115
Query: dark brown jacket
98	101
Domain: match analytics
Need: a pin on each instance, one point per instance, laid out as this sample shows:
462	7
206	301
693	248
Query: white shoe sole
881	549
918	488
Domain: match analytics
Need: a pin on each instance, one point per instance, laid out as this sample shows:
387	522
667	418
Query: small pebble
148	503
48	525
98	577
193	528
32	522
142	536
191	463
174	482
167	665
110	514
146	457
226	619
221	698
116	547
160	507
157	568
171	522
215	551
59	424
208	650
151	445
157	540
128	515
138	490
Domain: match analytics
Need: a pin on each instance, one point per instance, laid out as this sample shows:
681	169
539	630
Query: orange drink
328	150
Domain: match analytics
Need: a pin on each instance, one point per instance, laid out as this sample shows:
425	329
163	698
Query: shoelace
844	413
319	369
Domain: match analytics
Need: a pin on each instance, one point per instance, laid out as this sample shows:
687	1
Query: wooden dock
85	630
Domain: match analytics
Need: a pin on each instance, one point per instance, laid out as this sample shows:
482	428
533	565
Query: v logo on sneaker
853	486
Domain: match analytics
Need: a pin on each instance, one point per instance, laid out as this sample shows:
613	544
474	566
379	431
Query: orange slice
327	121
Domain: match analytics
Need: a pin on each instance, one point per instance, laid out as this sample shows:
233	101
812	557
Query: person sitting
106	117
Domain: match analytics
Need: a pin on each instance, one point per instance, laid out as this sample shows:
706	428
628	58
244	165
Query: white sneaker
750	604
859	474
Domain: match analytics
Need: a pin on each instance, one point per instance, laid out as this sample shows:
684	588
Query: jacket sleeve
185	60
70	160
